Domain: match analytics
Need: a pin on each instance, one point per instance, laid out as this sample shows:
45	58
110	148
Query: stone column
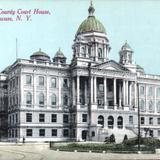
146	98
120	95
135	94
91	85
95	89
96	52
73	90
130	93
85	91
127	92
47	103
124	93
78	84
115	99
59	92
34	90
22	91
105	91
155	110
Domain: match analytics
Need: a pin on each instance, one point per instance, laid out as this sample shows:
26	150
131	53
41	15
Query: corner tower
91	43
126	57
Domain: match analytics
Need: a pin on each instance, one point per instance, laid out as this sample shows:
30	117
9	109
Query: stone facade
88	99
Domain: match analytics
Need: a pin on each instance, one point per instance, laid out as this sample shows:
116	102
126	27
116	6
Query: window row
150	91
41	81
151	105
53	118
150	121
42	132
13	82
41	99
13	119
13	100
111	121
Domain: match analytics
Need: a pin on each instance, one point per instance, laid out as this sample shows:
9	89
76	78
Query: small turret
126	54
59	57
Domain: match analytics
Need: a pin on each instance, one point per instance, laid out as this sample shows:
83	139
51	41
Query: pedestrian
23	139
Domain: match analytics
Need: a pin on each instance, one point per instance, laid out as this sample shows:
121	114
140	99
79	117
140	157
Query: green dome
91	24
39	53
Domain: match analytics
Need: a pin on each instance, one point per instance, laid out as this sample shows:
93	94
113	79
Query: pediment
111	65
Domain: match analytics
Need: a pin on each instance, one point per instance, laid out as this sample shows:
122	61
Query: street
10	151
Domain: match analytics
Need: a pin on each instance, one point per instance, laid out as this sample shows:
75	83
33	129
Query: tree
112	138
125	138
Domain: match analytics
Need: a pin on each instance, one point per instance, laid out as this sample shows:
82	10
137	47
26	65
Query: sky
136	21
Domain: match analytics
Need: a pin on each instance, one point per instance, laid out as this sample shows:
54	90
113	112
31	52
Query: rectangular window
28	79
54	132
65	83
41	81
42	132
130	120
28	117
158	133
65	132
16	118
151	133
142	120
41	118
158	120
141	90
151	120
53	82
65	118
29	132
54	118
84	117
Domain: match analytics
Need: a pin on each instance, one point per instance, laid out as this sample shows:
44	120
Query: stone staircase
119	133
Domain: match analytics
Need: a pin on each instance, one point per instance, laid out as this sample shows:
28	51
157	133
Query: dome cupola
59	57
39	55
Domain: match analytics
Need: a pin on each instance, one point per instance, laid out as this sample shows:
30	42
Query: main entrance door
84	135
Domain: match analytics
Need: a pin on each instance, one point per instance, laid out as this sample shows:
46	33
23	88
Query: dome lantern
91	10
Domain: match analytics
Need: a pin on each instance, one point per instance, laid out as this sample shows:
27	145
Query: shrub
125	138
112	138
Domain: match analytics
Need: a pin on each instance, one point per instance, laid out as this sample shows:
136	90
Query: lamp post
139	136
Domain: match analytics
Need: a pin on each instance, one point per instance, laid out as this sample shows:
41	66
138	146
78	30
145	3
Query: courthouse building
91	98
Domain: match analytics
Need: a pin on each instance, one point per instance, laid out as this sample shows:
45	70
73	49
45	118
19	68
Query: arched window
65	100
151	106
150	91
110	122
100	54
101	120
158	106
141	90
53	99
28	98
120	122
158	92
53	82
83	52
41	99
142	107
